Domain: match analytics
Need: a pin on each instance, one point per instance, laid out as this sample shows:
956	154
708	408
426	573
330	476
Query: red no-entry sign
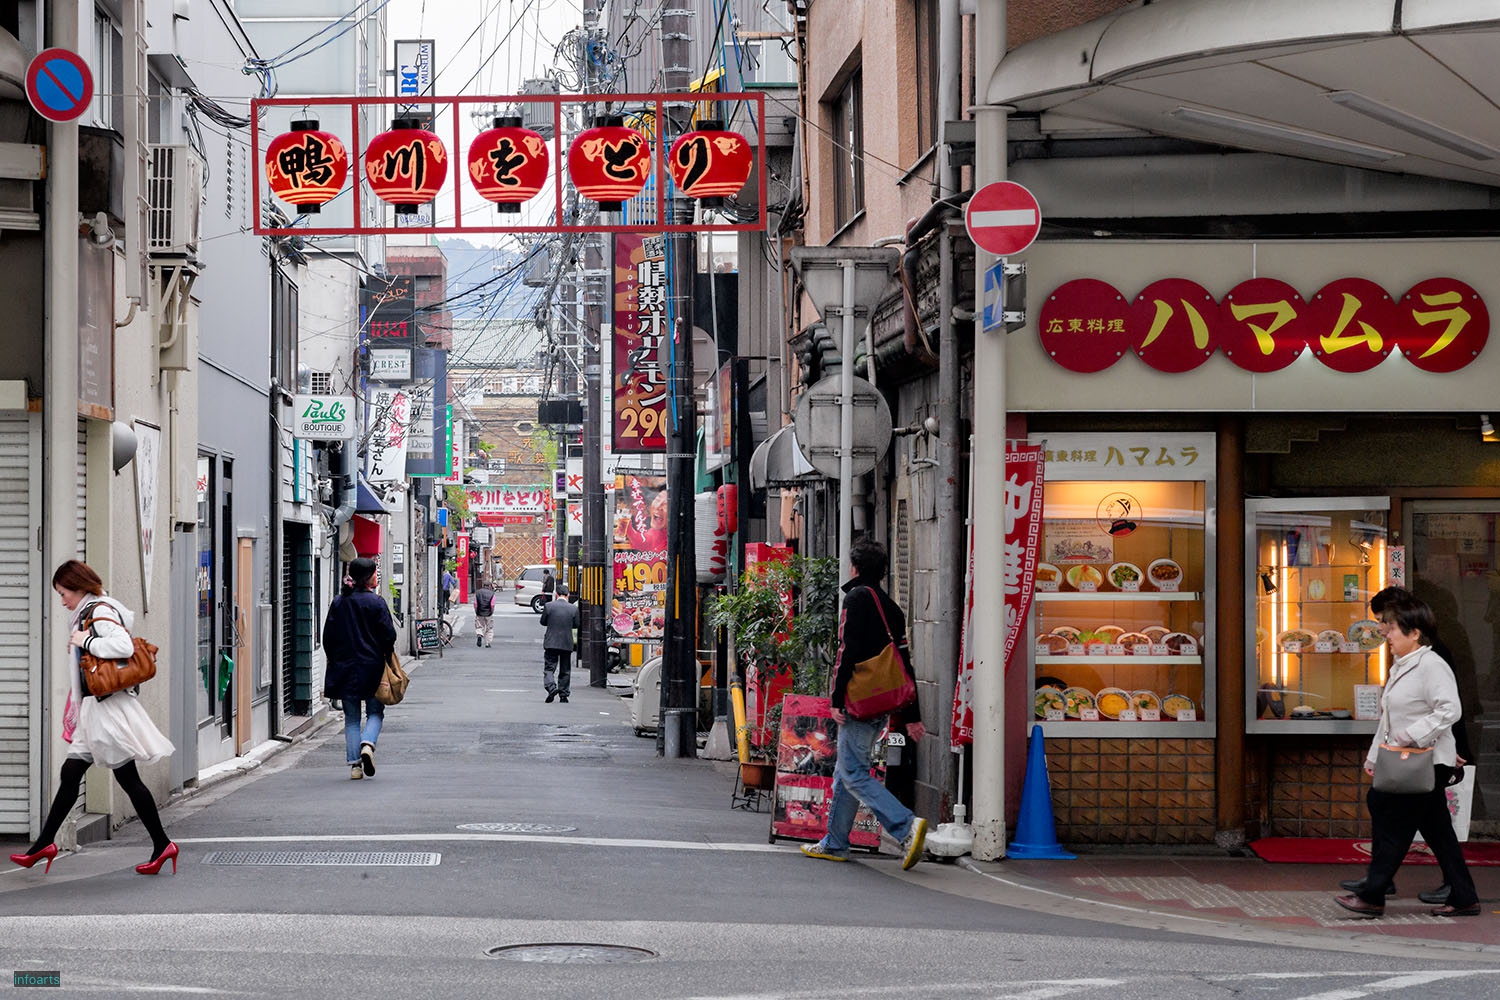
59	85
1003	218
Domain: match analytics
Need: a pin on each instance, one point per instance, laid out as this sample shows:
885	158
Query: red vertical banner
463	568
1022	507
640	384
1023	529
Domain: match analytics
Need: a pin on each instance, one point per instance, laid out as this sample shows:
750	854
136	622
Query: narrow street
495	820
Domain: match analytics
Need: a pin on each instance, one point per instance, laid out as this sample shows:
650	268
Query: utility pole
679	690
595	525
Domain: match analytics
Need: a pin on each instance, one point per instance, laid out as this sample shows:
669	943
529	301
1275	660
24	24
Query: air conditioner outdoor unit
174	189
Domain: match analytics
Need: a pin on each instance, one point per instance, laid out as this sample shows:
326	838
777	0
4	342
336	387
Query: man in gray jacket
560	618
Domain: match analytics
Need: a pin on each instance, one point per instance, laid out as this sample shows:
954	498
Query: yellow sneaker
356	773
913	844
817	851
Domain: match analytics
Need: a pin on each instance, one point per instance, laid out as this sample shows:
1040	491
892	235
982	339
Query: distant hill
470	265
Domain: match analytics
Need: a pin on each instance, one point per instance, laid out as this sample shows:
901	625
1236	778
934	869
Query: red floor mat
1332	851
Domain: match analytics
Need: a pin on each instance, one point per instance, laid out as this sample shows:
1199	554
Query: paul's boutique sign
1262	325
323	418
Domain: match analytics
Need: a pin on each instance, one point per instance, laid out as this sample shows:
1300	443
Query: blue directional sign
59	85
994	297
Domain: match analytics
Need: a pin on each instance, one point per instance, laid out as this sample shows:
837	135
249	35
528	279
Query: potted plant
782	618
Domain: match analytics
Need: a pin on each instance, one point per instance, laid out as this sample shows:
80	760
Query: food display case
1315	658
1120	633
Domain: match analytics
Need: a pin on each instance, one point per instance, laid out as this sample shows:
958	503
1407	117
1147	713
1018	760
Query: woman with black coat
358	635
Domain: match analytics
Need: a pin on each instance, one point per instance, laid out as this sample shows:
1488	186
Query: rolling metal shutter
20	725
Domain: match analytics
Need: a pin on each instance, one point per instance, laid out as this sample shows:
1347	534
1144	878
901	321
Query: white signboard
389	413
455	460
323	418
575	519
535	499
390	364
414	69
479	535
575	477
147	462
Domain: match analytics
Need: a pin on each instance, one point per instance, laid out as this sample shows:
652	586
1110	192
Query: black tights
129	778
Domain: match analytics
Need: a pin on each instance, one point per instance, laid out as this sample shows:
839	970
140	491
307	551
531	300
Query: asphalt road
526	824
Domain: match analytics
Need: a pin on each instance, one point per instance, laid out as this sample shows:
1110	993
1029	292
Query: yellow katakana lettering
1457	317
1281	314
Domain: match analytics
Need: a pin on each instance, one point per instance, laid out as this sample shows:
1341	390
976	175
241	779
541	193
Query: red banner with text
640	382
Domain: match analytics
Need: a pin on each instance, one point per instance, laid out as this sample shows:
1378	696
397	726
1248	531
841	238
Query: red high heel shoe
27	860
154	865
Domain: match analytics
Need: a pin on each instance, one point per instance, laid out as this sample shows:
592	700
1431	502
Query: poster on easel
806	754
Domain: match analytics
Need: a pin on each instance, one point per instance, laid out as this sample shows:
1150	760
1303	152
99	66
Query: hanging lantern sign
610	163
406	166
709	163
306	167
508	164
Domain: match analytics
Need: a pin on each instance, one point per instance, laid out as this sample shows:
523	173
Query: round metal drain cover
515	828
565	952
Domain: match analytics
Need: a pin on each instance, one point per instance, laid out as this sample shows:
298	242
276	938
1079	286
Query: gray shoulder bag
1403	770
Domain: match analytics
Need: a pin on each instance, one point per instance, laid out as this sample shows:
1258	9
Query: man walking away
548	585
484	609
560	618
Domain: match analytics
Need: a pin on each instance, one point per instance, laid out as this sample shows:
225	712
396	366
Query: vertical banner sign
962	732
1022	506
639	608
455	476
639	383
147	461
389	411
427	448
414	67
463	567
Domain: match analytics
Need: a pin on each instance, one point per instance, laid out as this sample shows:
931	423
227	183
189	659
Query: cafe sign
1262	325
323	418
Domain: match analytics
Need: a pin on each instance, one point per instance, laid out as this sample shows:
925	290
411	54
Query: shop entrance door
1453	547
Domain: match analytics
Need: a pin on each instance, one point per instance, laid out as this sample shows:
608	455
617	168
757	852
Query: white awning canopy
778	461
1408	86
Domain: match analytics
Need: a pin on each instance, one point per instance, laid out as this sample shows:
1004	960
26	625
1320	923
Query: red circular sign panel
1351	324
1443	325
1262	325
1084	325
1173	325
1003	218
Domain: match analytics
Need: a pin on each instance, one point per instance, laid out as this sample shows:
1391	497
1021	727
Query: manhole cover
515	828
564	952
360	859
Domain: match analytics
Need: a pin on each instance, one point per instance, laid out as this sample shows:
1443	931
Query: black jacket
484	602
862	634
358	635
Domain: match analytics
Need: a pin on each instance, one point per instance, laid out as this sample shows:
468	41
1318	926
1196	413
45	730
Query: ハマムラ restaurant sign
1262	325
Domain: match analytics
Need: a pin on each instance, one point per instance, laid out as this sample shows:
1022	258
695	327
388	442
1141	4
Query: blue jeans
353	735
853	784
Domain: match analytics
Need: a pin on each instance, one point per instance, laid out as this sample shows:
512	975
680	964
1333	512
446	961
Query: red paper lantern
306	167
406	166
609	164
508	164
709	163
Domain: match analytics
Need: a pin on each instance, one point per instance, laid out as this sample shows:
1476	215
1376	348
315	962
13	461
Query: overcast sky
486	46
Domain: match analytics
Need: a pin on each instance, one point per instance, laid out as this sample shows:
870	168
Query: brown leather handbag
879	685
104	677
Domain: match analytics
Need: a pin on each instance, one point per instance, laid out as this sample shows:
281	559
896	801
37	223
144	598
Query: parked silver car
529	586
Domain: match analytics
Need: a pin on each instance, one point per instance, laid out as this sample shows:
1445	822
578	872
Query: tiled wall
1132	791
1317	789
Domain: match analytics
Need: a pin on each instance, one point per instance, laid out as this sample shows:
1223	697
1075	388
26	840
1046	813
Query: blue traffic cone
1036	834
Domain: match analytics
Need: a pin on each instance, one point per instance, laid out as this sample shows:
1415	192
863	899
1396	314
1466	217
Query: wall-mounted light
1487	430
1266	583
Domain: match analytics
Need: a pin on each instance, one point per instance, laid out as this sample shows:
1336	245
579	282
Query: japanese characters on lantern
406	166
306	167
609	164
709	163
1262	325
508	164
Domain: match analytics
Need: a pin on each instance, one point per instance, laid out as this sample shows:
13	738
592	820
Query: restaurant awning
1405	86
778	461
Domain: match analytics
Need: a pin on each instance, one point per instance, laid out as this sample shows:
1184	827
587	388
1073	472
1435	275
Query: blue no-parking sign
59	85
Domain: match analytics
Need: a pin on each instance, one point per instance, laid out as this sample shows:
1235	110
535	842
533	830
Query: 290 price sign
641	327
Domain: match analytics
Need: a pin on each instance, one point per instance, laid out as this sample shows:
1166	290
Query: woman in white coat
1417	709
113	731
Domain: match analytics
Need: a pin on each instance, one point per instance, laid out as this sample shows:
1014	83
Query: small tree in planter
784	617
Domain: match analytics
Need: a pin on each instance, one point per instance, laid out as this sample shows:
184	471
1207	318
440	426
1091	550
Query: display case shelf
1187	661
1120	595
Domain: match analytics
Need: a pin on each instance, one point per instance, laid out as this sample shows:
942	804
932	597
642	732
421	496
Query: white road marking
515	838
1046	988
1396	981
